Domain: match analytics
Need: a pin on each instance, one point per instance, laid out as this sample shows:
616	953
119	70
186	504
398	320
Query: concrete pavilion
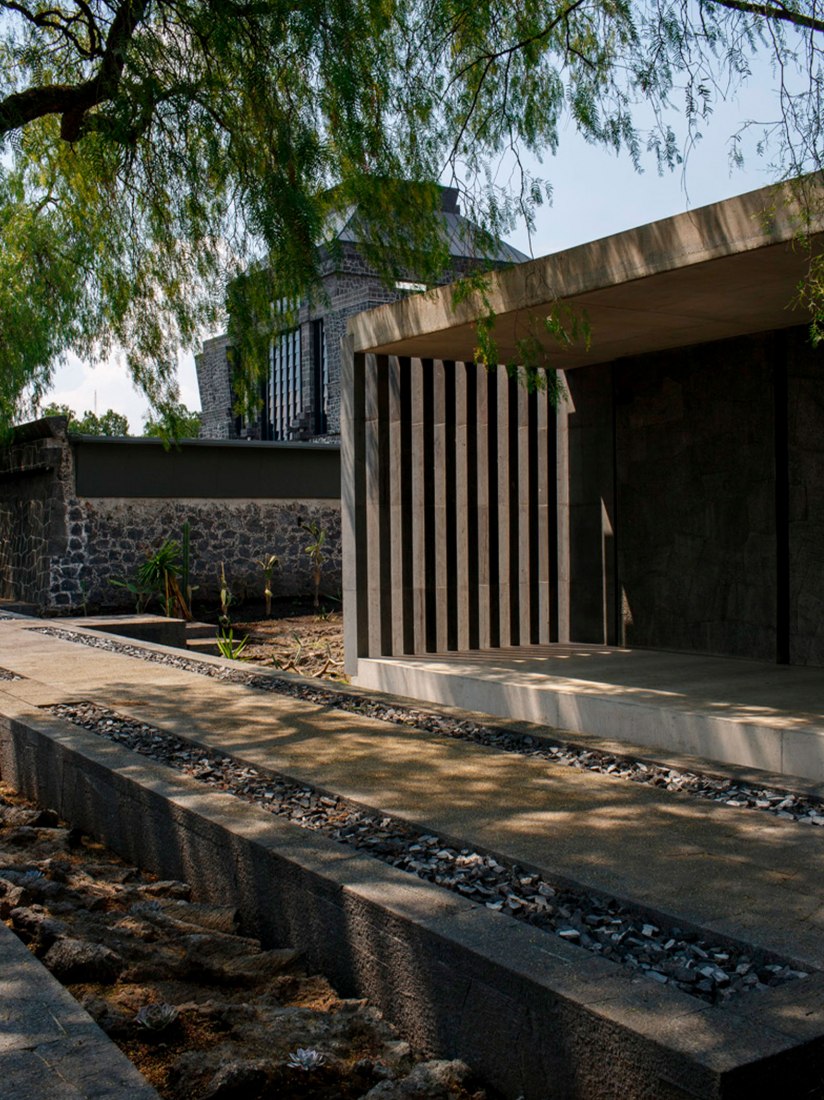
648	562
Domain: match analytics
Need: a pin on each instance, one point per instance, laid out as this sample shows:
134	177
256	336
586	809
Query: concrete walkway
739	873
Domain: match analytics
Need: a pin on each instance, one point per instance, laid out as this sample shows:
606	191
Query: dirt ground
296	639
199	1005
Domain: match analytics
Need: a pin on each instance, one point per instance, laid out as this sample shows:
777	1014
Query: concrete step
204	645
145	628
200	630
19	607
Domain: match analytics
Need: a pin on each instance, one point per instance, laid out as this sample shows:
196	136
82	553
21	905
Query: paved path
739	872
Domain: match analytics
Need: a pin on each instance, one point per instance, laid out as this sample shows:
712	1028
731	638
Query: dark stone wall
110	538
591	506
36	478
60	549
696	499
214	380
805	384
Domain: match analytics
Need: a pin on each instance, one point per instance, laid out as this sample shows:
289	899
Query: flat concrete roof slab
723	270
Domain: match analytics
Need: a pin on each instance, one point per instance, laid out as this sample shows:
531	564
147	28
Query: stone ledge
49	1045
535	1016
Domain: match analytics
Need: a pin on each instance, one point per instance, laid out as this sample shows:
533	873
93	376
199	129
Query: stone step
19	607
200	630
204	645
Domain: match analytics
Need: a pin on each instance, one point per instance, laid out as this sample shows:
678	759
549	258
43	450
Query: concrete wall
537	1018
78	514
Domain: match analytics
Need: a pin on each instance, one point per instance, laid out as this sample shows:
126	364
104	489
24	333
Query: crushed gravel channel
710	969
738	794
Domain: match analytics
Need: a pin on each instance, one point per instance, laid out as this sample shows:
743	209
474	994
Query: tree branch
72	101
772	12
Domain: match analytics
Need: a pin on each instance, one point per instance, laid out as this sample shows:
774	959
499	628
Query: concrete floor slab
748	713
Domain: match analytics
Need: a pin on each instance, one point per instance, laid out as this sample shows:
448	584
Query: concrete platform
146	628
538	1017
740	712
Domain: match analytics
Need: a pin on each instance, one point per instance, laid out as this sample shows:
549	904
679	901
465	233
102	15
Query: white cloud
107	385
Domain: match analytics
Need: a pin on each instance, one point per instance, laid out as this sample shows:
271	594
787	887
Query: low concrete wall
77	513
536	1017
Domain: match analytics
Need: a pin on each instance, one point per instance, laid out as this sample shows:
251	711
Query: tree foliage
174	422
109	423
151	150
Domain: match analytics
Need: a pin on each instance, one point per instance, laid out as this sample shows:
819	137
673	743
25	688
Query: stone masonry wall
36	476
696	498
805	371
60	551
109	538
215	386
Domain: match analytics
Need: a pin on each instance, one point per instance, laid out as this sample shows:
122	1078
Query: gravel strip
729	792
709	969
7	674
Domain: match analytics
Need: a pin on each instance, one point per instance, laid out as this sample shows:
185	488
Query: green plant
142	595
225	598
229	647
159	574
268	565
316	554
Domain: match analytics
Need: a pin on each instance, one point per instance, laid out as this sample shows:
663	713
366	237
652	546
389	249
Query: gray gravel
7	674
740	795
710	969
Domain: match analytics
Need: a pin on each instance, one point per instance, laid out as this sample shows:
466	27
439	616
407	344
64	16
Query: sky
595	194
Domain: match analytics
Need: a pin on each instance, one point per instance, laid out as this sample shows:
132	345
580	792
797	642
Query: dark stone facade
349	285
696	499
805	409
60	550
696	509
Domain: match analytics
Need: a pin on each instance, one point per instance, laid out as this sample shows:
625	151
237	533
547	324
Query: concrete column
424	502
544	521
482	549
373	508
462	506
562	497
525	491
353	507
440	578
504	508
394	473
410	521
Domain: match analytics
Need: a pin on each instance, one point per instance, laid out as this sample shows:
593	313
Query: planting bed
197	1005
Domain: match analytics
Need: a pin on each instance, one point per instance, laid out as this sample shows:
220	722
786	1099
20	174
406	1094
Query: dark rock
239	1081
430	1080
73	960
166	889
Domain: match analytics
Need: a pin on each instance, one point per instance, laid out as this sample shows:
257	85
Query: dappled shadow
458	979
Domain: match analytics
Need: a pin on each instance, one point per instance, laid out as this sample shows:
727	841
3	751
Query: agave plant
156	1017
306	1058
